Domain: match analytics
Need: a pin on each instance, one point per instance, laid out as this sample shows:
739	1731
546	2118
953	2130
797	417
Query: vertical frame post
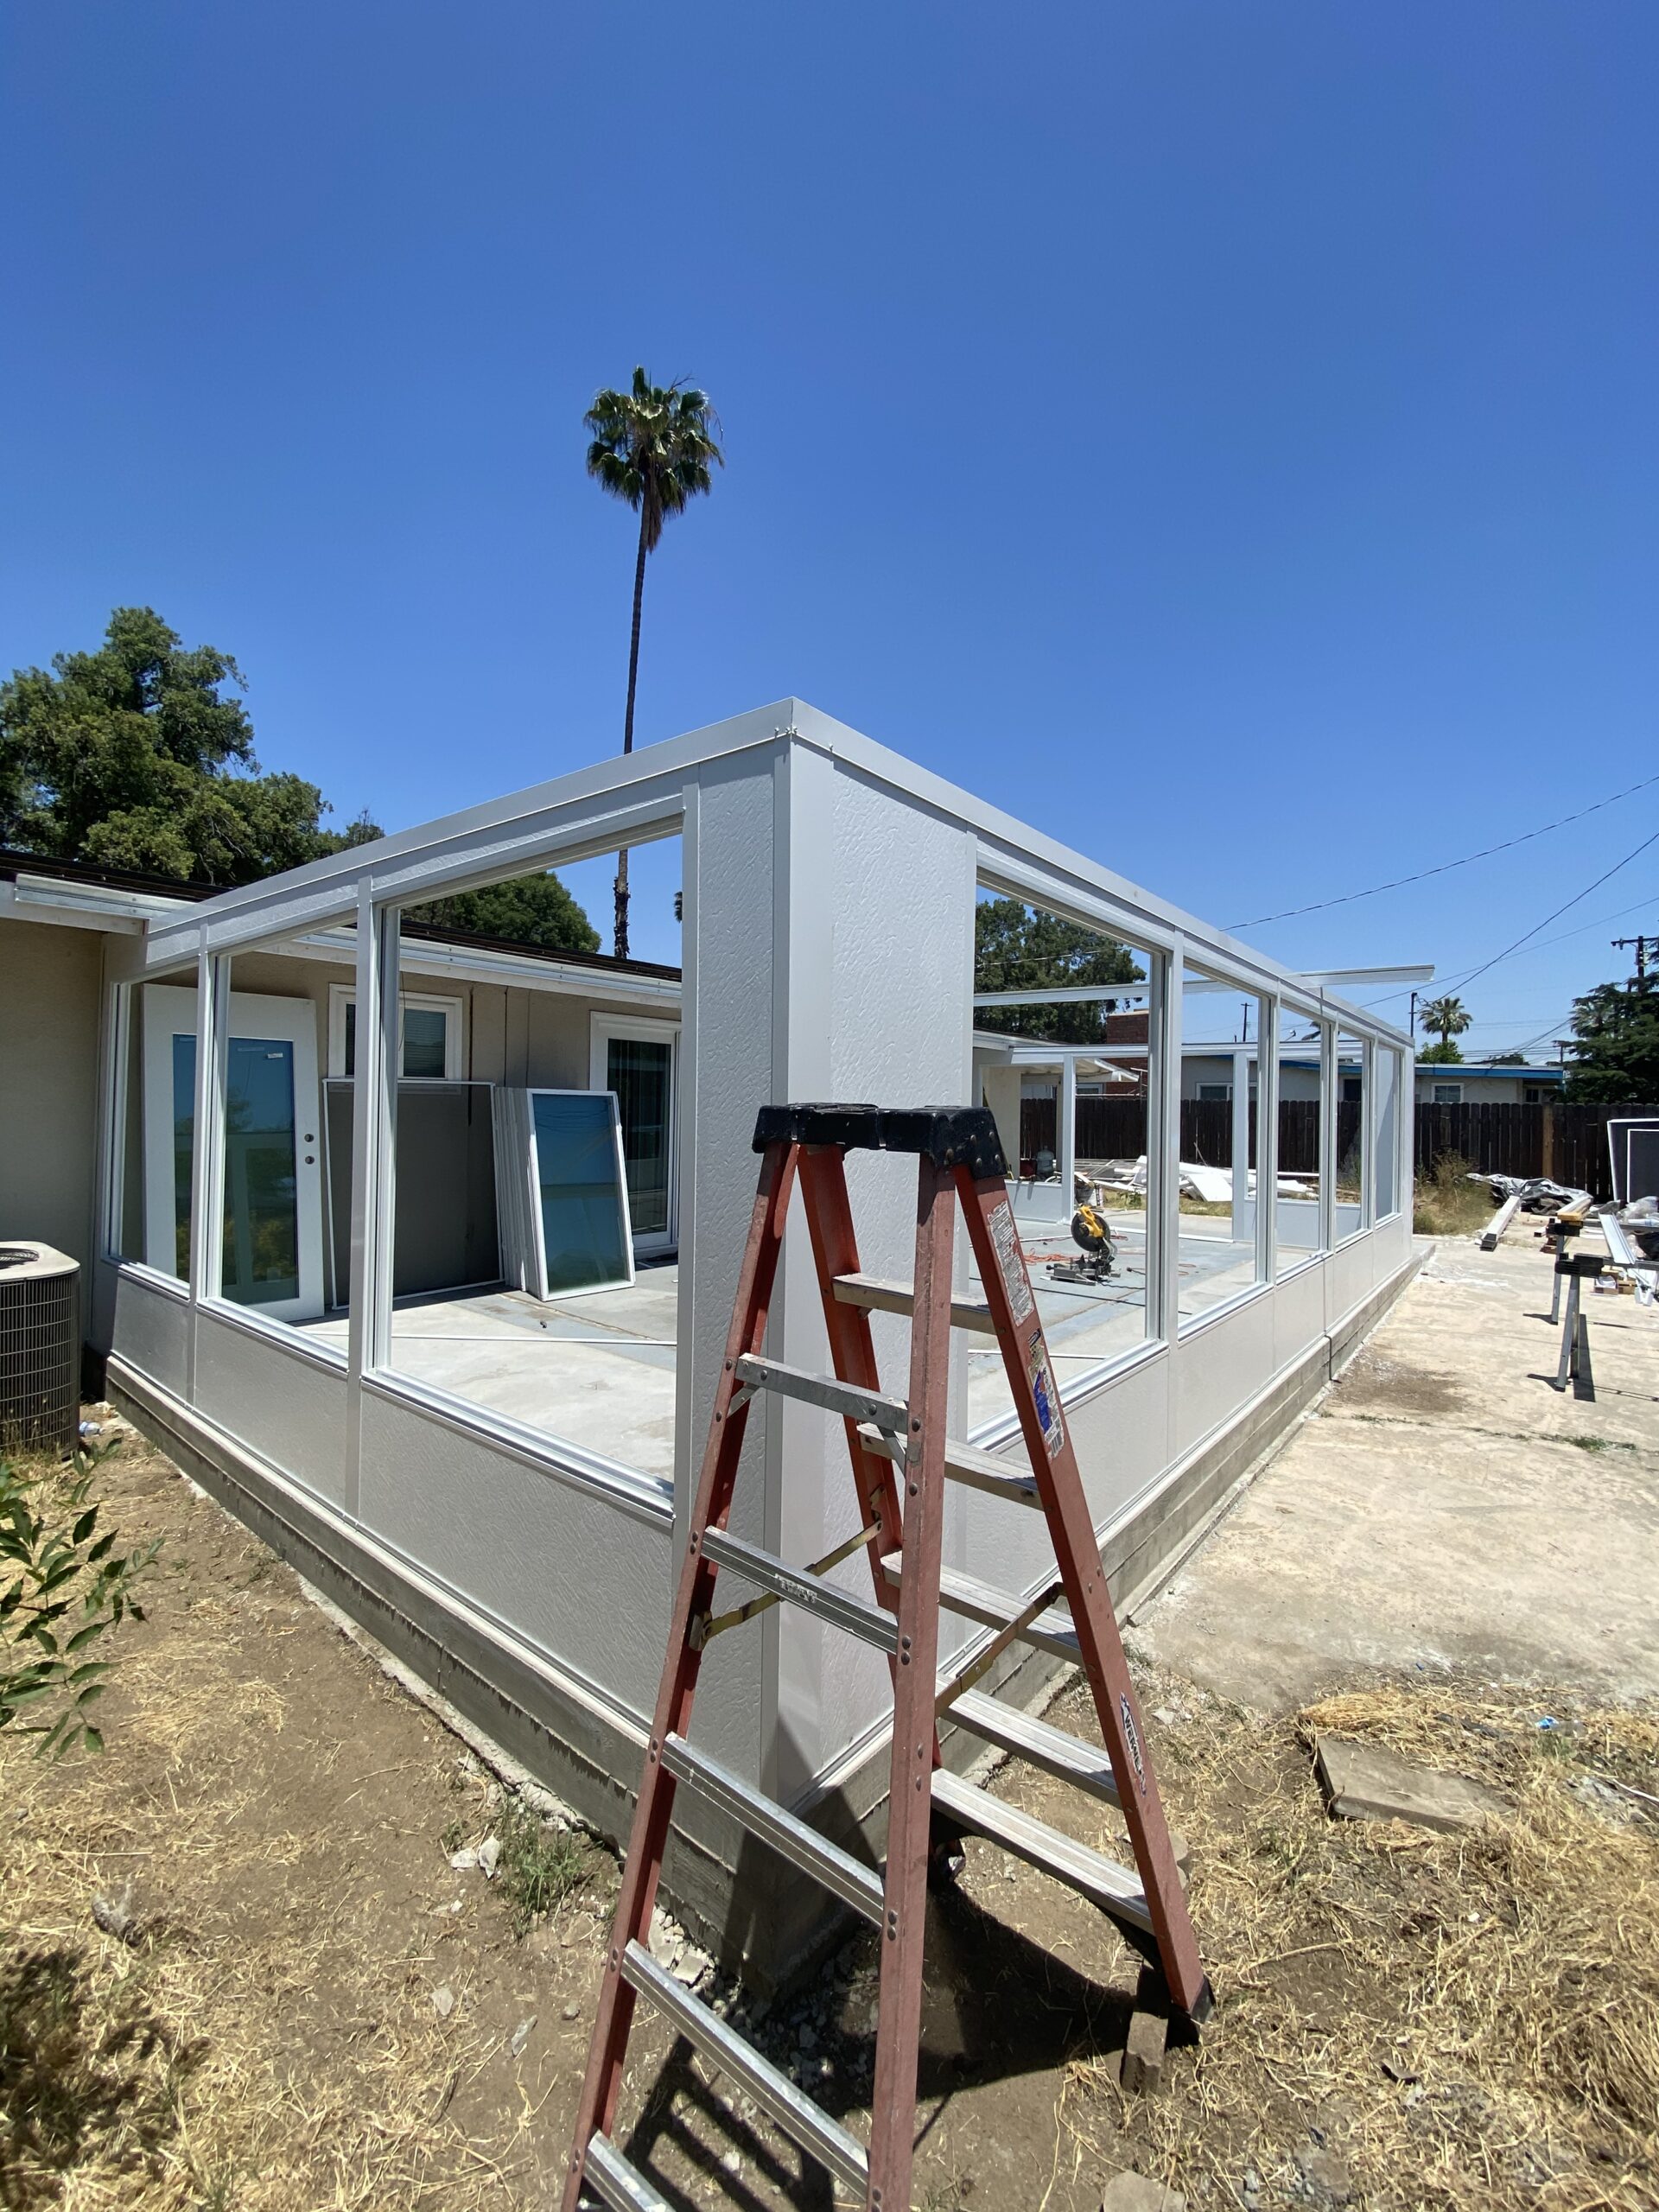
1267	1139
1330	1094
1164	1144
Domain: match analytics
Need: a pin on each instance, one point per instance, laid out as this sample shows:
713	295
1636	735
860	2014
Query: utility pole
1621	943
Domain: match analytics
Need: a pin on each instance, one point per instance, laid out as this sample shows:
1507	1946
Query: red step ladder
901	1462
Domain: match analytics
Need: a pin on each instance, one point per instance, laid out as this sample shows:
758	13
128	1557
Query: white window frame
1435	1099
601	1029
340	996
1214	1094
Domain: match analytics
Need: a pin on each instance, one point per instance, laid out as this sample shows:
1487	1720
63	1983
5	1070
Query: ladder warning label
1132	1736
1043	1391
1005	1238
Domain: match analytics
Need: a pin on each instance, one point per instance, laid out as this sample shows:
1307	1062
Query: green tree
531	910
1448	1018
1615	1044
651	446
1507	1060
134	757
1017	950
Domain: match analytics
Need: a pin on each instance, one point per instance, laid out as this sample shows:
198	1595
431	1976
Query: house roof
165	888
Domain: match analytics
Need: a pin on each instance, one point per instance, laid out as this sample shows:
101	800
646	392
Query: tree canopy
1615	1044
531	910
1449	1017
140	755
1018	950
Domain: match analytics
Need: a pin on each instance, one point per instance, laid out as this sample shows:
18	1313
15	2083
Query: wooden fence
1115	1128
1568	1142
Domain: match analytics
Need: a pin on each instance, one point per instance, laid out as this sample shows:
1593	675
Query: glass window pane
584	1214
261	1264
184	1141
351	1037
425	1032
1351	1136
1297	1212
1220	1250
641	1071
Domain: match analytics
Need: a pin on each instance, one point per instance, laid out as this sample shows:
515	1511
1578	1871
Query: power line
1320	905
1443	987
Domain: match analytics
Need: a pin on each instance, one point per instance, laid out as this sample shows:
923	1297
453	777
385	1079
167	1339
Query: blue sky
1223	435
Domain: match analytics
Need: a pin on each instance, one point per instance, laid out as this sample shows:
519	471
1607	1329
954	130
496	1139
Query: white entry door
273	1160
638	1061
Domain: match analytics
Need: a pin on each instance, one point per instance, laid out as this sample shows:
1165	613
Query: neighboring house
477	1013
1477	1083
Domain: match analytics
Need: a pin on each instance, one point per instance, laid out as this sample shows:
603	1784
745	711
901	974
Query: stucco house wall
50	1000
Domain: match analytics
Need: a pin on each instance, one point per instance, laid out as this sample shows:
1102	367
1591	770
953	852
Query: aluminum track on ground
976	1469
623	2187
1102	1881
1085	1766
846	1399
830	1603
855	1884
876	1295
794	2112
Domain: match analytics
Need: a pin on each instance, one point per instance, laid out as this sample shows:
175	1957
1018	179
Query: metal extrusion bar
843	1398
801	1588
796	2113
840	1874
993	1608
622	2186
982	1661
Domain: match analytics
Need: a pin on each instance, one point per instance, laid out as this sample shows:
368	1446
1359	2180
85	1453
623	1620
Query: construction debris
1367	1782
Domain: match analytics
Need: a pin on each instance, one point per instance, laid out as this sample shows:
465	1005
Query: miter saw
1091	1233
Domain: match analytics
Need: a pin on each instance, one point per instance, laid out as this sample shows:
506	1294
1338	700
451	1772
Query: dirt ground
309	2006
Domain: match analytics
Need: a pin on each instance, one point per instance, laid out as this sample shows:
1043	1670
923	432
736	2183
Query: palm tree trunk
621	884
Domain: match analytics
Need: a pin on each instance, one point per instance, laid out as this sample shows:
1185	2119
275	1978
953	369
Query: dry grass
1460	2021
1447	1203
264	2037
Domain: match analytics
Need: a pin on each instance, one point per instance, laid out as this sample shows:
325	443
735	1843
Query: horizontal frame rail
842	1875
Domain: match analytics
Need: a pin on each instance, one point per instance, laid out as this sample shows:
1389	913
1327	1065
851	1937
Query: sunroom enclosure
520	1559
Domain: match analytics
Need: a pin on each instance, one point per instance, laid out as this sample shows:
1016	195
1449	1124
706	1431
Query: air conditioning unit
40	1349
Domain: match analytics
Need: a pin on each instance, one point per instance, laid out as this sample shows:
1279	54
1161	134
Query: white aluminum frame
645	1029
453	1009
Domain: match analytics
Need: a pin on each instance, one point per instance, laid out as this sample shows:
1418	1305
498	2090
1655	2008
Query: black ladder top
951	1136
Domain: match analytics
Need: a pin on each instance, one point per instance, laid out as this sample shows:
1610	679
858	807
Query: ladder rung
855	1884
772	2090
846	1399
978	1470
876	1295
622	2186
1102	1881
1067	1758
837	1606
979	1601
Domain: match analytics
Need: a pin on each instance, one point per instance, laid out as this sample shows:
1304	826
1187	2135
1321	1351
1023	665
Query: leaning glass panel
1221	1248
581	1192
1070	1080
1298	1212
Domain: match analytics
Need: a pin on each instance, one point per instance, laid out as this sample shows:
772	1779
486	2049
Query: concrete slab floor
596	1370
1443	1505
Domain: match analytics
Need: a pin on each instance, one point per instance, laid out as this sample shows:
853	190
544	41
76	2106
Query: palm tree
1447	1015
653	446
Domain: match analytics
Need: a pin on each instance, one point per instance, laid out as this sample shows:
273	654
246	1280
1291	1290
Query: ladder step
1106	1884
772	2090
878	1295
855	1884
1067	1758
846	1399
985	1470
836	1606
622	2186
980	1601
